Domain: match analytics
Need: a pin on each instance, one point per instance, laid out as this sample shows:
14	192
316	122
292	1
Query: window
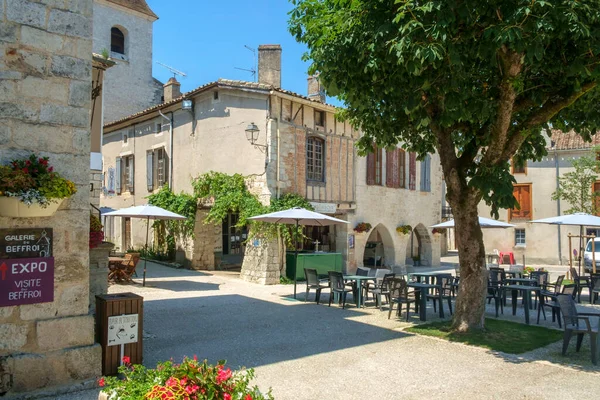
216	95
117	41
412	171
519	166
125	137
395	168
522	194
158	127
314	159
124	174
374	167
320	119
156	168
519	237
426	174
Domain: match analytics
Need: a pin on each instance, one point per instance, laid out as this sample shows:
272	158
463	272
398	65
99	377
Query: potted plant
31	188
404	229
96	234
362	227
438	231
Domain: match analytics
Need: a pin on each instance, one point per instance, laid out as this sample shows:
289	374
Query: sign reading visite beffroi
26	266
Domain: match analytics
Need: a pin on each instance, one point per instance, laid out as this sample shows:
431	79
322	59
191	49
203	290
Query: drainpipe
556	166
170	146
278	155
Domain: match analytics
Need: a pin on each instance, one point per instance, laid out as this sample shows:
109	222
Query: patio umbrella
298	216
483	222
576	219
147	212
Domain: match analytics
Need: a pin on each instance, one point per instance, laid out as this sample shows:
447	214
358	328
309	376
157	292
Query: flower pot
13	207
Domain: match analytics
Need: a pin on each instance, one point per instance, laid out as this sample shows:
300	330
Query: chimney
269	65
315	89
172	90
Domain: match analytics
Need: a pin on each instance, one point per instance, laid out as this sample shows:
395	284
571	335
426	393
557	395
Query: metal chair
313	282
572	319
337	285
400	294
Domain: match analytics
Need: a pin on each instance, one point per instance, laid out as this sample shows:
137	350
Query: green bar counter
322	262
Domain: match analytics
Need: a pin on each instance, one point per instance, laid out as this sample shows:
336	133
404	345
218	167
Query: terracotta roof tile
136	5
572	141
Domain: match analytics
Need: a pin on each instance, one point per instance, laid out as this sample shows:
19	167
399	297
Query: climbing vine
167	232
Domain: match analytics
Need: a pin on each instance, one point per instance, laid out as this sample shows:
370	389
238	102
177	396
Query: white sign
325	208
122	329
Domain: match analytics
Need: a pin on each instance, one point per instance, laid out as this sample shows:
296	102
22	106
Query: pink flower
183	381
192	389
50	169
101	382
223	374
126	360
28	163
195	357
226	396
248	397
171	382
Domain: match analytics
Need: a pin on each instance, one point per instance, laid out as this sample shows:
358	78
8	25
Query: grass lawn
499	335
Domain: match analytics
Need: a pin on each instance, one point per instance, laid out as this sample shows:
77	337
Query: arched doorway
379	248
419	245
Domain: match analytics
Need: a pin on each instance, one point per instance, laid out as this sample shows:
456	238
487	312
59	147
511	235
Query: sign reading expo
26	266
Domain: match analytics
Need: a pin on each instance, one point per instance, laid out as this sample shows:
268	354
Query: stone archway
419	244
381	244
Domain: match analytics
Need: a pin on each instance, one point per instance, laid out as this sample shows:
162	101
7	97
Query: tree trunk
470	303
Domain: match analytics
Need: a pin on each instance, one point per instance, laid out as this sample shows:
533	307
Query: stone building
301	148
123	30
45	81
536	181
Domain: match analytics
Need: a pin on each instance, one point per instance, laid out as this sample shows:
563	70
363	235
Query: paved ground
308	351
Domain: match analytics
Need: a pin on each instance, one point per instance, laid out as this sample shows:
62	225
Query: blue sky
205	39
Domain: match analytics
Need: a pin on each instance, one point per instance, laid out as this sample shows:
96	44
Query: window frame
511	216
377	162
128	174
323	118
514	171
518	237
113	32
311	160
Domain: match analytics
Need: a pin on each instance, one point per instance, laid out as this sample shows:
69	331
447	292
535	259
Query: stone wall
262	262
96	182
45	86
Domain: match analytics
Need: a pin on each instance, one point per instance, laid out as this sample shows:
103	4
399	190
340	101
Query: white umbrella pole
580	248
296	257
146	258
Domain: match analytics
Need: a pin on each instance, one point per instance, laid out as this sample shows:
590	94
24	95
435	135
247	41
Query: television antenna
253	69
174	71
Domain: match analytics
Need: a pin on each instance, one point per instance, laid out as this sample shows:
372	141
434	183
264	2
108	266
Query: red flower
28	163
101	382
25	170
50	169
171	382
226	396
223	375
192	389
126	360
248	397
195	357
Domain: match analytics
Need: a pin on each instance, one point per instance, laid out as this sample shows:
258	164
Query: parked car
587	255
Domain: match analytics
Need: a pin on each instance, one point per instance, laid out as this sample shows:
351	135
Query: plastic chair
382	287
443	291
400	294
313	282
581	282
572	320
337	285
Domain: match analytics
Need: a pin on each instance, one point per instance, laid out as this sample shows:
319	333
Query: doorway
233	239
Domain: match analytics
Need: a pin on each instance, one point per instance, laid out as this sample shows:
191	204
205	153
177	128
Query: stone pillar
261	262
99	272
45	76
203	249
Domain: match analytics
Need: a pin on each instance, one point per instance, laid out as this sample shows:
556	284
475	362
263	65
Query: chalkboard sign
25	243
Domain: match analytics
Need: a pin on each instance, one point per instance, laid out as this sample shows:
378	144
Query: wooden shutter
401	169
392	168
412	171
371	162
118	175
522	194
131	174
150	170
596	189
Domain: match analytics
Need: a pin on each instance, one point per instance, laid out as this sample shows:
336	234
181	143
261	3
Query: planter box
13	207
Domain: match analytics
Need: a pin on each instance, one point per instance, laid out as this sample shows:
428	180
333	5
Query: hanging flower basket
438	231
362	227
31	188
404	229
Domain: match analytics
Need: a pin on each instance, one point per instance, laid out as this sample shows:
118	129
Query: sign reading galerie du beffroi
26	266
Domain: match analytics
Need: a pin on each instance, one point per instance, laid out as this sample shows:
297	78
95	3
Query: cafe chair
400	294
313	282
579	324
123	272
337	286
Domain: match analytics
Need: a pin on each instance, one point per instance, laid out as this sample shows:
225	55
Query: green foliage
478	81
362	227
168	231
508	337
404	229
576	186
189	380
104	53
14	181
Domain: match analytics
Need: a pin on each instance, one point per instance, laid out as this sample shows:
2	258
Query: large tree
476	81
577	186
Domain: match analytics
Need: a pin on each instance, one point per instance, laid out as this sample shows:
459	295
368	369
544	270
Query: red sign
26	281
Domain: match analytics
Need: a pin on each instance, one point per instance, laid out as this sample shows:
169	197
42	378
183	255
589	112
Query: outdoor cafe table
426	275
359	279
524	282
115	260
527	290
424	287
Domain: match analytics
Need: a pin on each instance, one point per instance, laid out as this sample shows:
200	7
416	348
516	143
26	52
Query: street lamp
252	132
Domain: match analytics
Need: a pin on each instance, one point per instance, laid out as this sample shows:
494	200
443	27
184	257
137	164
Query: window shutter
150	170
371	168
412	171
526	199
401	169
389	160
131	174
118	175
166	165
427	175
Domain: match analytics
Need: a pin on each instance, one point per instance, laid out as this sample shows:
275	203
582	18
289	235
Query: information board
25	243
122	329
26	281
